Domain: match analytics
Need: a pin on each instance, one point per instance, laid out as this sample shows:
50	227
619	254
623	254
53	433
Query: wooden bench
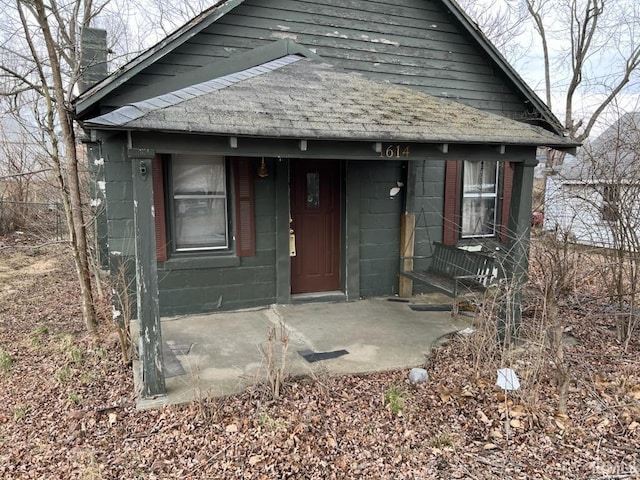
454	271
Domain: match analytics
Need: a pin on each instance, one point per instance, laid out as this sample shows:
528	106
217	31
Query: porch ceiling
293	97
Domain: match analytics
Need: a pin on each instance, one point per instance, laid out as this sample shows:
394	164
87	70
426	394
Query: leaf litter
76	419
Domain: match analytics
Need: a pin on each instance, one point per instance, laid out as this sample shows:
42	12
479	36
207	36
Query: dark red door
315	214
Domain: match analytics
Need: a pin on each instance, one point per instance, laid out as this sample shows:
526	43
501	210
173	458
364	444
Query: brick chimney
93	57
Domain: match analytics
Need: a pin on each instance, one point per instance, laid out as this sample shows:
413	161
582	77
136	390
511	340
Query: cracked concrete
226	357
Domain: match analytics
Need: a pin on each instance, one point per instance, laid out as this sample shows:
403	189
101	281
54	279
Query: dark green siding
428	207
409	42
201	286
119	197
379	225
204	283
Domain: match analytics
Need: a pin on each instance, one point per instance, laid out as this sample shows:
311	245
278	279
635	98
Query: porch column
153	383
283	215
517	258
408	231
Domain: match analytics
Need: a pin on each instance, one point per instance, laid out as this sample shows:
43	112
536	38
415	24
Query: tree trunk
71	197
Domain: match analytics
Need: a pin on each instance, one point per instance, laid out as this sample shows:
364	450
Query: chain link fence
42	220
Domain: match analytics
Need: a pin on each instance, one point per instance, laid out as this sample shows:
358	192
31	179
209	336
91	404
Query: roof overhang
89	97
293	97
472	28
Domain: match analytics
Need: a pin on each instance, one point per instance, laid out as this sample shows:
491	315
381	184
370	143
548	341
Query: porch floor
219	354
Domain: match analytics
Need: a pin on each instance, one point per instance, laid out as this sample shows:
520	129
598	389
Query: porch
219	354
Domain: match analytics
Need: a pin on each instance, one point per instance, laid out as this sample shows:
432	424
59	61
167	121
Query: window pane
313	190
480	177
479	197
200	223
478	216
199	202
196	174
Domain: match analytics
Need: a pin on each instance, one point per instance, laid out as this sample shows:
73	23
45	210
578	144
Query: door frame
331	188
349	231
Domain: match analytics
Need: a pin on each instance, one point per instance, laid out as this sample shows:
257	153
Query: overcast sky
620	28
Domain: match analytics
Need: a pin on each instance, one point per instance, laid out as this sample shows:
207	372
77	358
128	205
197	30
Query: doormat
312	357
430	307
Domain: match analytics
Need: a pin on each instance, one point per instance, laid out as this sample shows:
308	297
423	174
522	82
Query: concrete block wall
205	282
379	225
428	207
227	283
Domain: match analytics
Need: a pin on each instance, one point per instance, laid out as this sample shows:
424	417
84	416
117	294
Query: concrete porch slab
225	355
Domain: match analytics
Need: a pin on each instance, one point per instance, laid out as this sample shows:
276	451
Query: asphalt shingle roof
294	97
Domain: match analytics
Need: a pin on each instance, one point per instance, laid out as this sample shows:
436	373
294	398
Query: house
592	197
273	151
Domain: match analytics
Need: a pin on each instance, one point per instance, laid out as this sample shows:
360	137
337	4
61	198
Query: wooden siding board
331	47
409	57
419	24
426	29
406	9
317	35
416	43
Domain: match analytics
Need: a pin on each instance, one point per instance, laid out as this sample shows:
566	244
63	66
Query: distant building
590	194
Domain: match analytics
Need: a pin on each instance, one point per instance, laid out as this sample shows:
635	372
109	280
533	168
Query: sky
620	32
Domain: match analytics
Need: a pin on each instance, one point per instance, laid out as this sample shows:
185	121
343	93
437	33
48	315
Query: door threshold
313	297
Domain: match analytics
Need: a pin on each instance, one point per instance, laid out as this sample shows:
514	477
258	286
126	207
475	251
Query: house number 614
394	151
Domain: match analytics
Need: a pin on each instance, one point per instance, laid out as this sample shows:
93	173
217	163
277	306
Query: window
198	209
479	199
199	197
477	196
610	200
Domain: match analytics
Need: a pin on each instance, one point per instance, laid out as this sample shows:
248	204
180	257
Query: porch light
262	169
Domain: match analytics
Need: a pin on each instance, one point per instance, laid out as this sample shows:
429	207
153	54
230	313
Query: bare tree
40	60
43	59
606	209
168	15
590	47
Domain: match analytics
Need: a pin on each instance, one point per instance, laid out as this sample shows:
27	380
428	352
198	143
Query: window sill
195	263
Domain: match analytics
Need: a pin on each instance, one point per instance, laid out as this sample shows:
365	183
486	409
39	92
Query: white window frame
480	192
207	197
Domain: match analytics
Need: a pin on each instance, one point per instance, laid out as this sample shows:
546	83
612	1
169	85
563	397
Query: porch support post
517	258
407	243
153	382
352	240
283	215
408	231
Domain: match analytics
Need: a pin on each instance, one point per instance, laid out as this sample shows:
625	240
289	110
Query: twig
622	447
619	476
27	247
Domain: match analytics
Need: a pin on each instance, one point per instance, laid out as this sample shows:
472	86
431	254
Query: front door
315	215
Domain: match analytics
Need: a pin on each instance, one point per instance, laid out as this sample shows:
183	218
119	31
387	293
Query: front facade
269	152
229	202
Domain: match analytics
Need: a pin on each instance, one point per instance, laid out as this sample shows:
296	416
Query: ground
67	404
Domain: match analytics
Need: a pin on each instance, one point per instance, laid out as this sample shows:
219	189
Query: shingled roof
293	97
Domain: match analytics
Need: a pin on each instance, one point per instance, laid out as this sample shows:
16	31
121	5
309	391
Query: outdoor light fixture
262	169
396	190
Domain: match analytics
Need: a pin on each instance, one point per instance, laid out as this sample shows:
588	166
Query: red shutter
451	227
244	202
507	190
158	209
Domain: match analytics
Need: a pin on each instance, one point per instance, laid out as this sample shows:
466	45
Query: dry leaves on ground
67	410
